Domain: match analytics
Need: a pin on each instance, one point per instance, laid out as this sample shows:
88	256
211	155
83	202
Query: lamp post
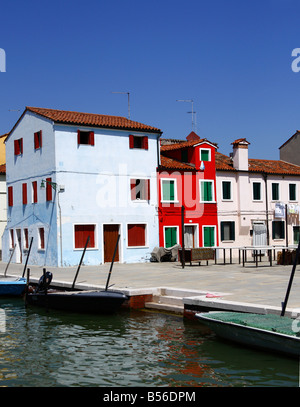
57	188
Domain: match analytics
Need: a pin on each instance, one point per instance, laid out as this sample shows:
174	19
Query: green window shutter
206	191
222	231
169	190
208	236
292	190
256	191
226	189
275	192
170	236
232	230
204	155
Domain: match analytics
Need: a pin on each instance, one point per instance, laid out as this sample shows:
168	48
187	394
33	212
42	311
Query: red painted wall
188	194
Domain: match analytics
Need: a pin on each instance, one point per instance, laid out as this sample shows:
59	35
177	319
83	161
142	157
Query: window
18	145
227	231
24	194
256	191
275	191
48	189
37	140
278	229
26	238
81	233
206	191
204	154
169	193
140	189
12	240
136	235
184	155
10	196
34	192
296	234
170	233
41	238
208	236
292	192
138	142
85	137
226	190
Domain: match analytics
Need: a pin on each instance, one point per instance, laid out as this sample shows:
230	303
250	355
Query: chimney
240	154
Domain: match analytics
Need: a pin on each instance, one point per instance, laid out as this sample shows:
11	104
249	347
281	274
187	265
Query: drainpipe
267	208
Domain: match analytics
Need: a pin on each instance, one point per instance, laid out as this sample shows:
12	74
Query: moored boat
12	286
270	332
96	302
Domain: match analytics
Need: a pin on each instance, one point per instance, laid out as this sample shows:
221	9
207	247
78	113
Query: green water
132	349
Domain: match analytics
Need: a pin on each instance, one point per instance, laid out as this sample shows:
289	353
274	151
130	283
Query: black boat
99	302
96	301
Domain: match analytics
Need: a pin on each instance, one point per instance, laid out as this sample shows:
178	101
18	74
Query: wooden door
110	237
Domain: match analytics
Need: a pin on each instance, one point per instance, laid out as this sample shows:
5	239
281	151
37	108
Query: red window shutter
17	147
10	196
131	141
136	235
36	143
42	238
146	142
78	137
24	193
48	189
132	189
34	191
92	138
26	238
38	139
21	146
81	234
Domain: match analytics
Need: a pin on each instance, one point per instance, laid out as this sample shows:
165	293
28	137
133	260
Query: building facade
289	151
187	193
258	200
74	175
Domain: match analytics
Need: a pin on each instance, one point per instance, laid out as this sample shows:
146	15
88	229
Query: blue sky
232	57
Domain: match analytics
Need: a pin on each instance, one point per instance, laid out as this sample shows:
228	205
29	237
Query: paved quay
262	286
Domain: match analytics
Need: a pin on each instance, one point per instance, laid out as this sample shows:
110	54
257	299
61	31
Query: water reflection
42	348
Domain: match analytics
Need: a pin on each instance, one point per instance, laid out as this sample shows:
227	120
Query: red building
187	193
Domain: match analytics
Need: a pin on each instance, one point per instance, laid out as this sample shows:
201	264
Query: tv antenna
192	102
128	98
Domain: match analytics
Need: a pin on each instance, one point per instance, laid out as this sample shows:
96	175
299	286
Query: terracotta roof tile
184	144
3	169
91	119
224	163
172	164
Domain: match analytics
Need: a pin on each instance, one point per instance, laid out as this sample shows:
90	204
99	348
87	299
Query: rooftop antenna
190	101
128	96
195	123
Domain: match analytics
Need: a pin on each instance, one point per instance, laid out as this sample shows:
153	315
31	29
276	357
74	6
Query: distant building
99	179
290	150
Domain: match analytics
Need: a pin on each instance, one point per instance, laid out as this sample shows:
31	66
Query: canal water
132	349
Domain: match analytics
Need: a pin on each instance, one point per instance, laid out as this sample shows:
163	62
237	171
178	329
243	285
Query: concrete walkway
263	285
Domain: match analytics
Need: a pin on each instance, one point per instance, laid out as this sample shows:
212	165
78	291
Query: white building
99	174
258	200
